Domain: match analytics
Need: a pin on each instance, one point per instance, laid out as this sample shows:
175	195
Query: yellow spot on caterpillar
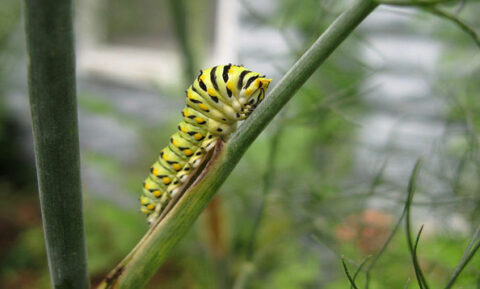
166	180
164	156
202	76
143	200
230	86
176	167
199	119
211	91
144	210
203	106
157	193
265	82
197	136
183	129
151	207
155	172
175	143
188	152
147	185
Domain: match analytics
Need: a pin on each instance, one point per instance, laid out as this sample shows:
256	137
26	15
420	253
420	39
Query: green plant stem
383	248
456	20
350	279
471	250
412	246
53	104
179	20
431	7
360	268
413	2
155	248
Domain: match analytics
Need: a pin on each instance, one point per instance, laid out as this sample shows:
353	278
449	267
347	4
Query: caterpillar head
253	94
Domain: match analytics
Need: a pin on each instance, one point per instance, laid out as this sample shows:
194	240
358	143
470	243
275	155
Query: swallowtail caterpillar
220	97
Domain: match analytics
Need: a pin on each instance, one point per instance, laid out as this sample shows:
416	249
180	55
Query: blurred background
327	178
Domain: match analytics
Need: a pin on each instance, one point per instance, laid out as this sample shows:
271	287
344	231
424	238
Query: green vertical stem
49	33
178	13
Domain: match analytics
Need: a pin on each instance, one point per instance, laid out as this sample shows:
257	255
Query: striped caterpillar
220	97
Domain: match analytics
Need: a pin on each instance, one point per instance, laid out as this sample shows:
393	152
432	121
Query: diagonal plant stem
456	20
360	268
383	249
412	246
53	104
470	251
350	279
420	3
431	7
406	209
406	284
155	248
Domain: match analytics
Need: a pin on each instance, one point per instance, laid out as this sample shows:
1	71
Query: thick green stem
53	105
155	248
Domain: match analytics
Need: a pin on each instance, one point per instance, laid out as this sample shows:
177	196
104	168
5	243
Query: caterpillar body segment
218	98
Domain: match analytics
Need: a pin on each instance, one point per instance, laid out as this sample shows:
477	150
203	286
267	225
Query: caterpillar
218	98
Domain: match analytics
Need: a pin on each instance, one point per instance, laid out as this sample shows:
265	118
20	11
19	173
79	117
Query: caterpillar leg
151	217
193	163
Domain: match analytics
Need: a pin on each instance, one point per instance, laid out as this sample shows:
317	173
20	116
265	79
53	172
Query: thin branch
384	247
406	284
420	3
350	279
360	267
459	22
413	246
460	6
245	272
431	6
418	269
471	250
417	239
